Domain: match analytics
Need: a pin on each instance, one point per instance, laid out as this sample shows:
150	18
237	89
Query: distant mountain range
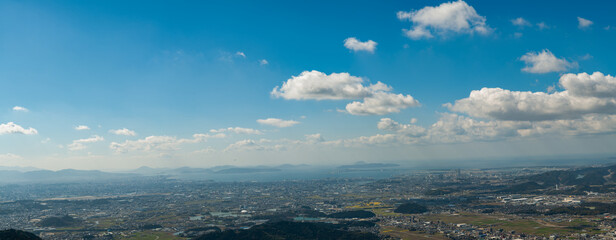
582	176
362	165
31	175
573	181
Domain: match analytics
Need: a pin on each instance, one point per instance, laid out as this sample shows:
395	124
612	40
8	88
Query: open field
152	235
406	234
534	226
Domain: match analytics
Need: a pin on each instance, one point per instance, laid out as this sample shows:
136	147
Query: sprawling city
496	203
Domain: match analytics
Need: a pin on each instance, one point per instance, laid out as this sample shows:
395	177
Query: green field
533	226
406	234
151	235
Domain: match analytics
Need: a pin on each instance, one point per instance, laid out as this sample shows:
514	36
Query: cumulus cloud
455	128
252	145
583	94
246	144
79	143
450	128
355	45
10	156
147	144
375	140
237	130
314	138
314	85
586	85
381	103
160	143
20	109
545	62
407	129
240	54
263	62
583	23
82	127
123	131
277	122
586	105
12	128
520	22
448	18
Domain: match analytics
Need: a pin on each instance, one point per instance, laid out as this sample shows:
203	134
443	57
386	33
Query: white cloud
448	18
542	26
277	122
455	128
160	143
123	131
379	139
263	62
147	144
79	143
82	127
545	62
316	85
586	57
206	150
20	109
241	54
246	144
9	156
583	23
252	145
583	94
381	103
12	128
355	45
407	129
520	22
314	138
377	98
585	85
237	130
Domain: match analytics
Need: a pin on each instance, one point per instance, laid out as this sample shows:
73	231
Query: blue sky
162	72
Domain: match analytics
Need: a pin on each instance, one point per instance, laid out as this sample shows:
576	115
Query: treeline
307	212
13	234
352	214
64	221
586	209
290	230
584	176
411	208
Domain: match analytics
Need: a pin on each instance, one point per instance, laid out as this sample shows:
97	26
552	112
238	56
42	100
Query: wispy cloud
20	109
584	23
82	127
